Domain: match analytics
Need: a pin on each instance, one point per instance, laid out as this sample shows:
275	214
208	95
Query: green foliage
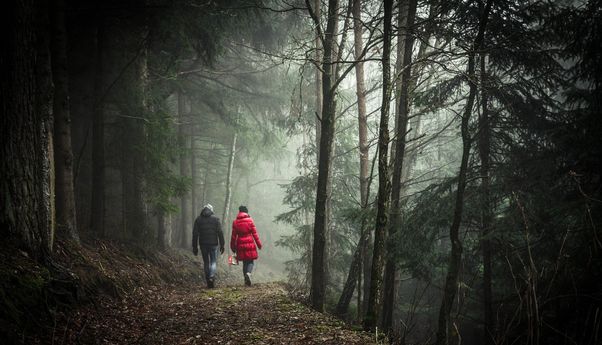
428	216
160	151
544	171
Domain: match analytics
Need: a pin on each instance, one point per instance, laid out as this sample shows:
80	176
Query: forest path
260	314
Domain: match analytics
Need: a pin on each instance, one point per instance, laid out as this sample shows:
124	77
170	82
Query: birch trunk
226	213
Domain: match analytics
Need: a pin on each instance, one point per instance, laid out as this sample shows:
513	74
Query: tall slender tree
194	179
451	280
63	155
327	126
228	198
97	214
185	216
384	184
407	12
484	146
354	275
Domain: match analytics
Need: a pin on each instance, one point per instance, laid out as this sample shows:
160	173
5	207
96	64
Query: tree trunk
226	213
25	118
407	14
356	263
486	216
63	155
161	229
193	175
206	175
352	275
97	216
451	280
367	269
185	220
327	126
378	257
133	163
318	76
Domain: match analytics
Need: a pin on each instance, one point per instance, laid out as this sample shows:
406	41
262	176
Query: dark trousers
247	266
209	254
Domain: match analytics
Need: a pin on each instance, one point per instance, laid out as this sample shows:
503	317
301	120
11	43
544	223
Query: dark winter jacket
244	237
207	230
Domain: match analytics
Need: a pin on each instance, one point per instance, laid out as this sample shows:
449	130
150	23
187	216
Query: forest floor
132	295
260	314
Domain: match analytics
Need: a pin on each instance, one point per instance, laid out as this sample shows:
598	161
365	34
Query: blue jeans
247	266
209	253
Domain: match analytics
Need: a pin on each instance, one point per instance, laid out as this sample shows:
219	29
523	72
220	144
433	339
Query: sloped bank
37	300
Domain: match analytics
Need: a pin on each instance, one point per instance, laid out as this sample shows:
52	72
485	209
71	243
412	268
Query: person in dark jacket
244	242
207	234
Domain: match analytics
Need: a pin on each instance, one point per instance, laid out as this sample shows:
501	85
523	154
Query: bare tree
327	126
384	185
354	274
451	280
185	216
484	146
226	213
407	13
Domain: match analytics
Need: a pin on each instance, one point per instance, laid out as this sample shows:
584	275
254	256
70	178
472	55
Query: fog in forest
425	170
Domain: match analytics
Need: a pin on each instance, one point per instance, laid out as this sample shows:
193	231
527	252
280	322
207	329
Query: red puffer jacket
244	237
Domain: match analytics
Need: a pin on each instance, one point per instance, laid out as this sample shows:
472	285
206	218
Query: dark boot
210	283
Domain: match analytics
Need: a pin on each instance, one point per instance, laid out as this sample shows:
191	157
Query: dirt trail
261	314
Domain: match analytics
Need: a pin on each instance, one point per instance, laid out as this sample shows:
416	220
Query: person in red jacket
245	241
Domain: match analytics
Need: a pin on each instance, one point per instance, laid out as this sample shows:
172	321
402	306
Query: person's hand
259	247
221	250
195	251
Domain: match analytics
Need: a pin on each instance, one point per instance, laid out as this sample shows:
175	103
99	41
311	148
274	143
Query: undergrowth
33	296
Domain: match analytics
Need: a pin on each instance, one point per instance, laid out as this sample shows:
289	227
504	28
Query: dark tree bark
193	175
384	186
327	126
356	263
486	215
451	280
407	12
317	8
97	215
352	275
161	230
185	220
63	154
25	120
